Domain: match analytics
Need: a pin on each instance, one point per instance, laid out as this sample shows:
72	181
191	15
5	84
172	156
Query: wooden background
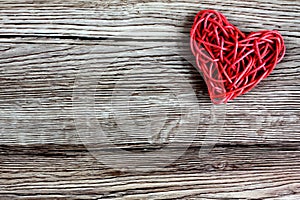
47	44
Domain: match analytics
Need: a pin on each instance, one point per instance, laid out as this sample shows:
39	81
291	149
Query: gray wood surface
54	52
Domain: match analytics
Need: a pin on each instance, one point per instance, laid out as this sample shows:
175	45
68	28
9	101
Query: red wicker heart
231	62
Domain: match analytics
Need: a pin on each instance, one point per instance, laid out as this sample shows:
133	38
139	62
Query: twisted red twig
231	62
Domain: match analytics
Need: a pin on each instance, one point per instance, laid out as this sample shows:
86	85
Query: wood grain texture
139	19
226	173
38	80
140	47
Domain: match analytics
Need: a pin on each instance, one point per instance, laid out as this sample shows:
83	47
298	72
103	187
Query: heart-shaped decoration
231	62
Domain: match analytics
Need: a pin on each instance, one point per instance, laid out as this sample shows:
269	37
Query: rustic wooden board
51	172
47	46
38	81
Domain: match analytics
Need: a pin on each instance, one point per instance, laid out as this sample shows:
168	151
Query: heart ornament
232	62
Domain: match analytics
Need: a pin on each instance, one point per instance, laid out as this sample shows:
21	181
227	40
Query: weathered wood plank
38	80
70	172
139	19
